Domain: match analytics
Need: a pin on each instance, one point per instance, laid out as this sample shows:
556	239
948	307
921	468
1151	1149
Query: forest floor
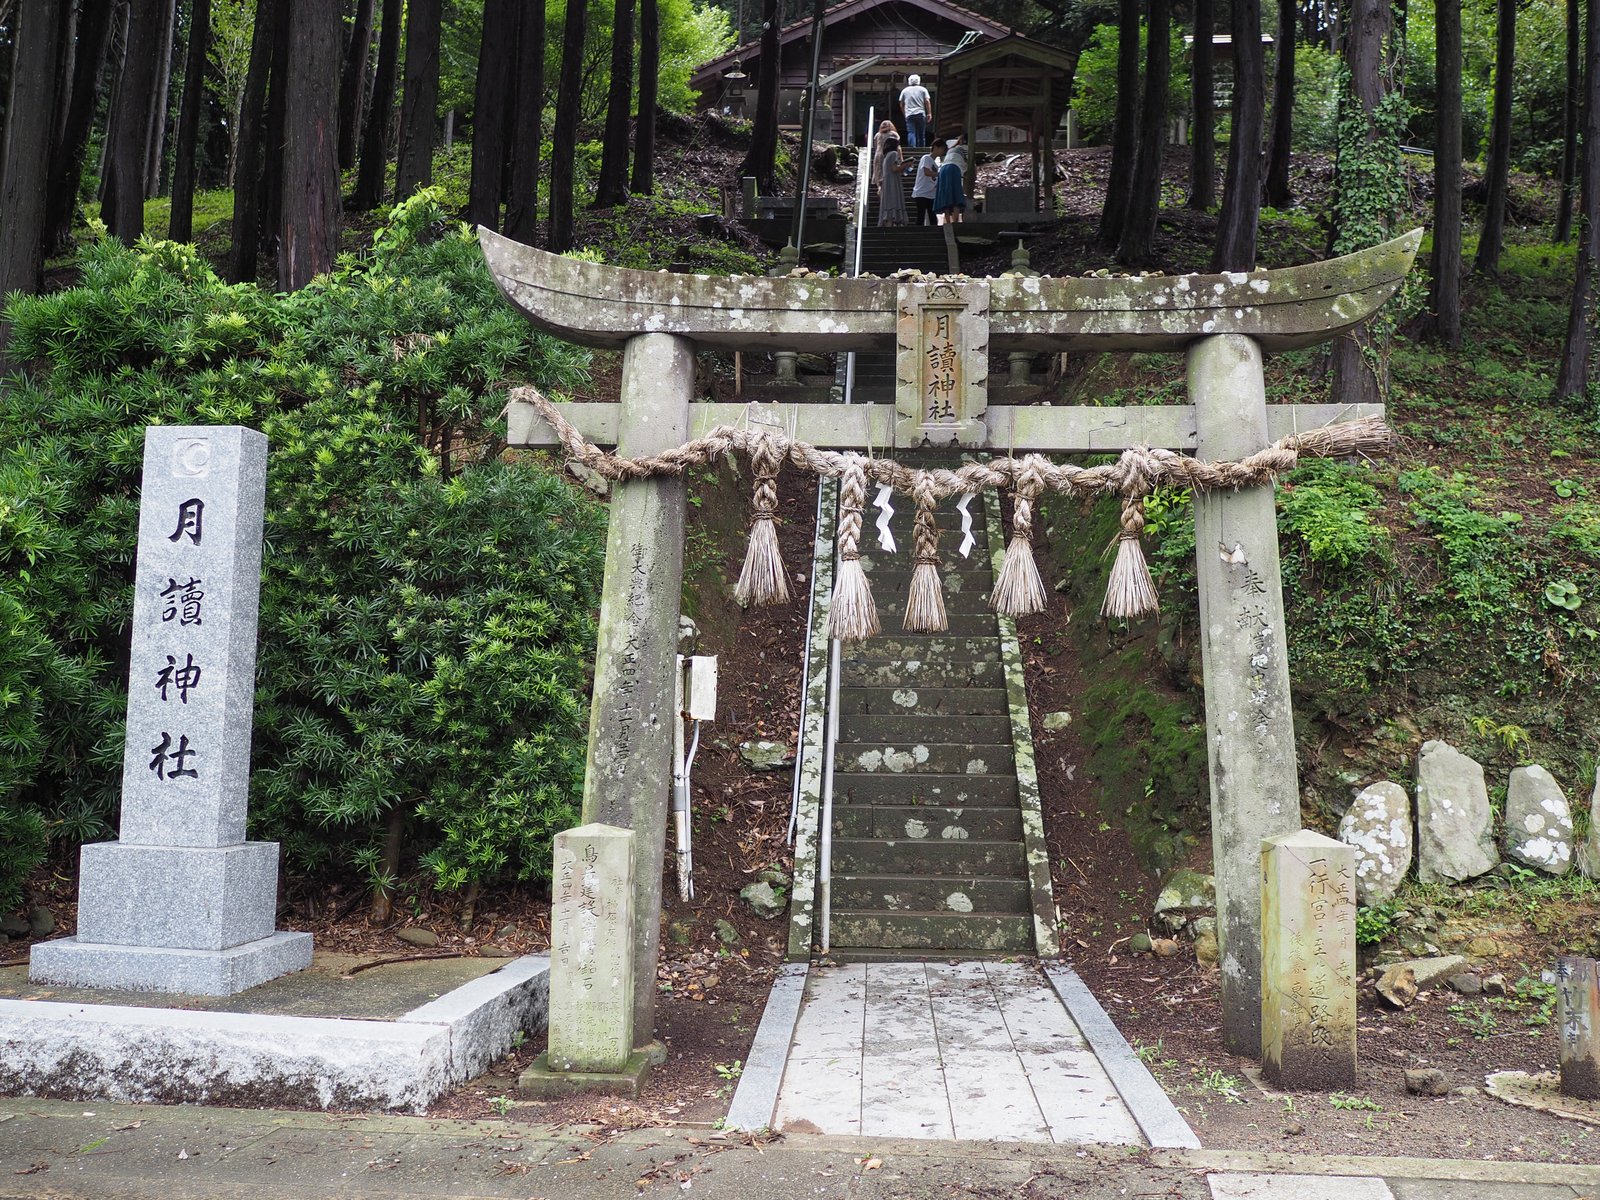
713	978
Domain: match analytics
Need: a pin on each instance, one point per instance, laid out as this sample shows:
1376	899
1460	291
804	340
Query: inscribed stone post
182	902
1578	1009
628	778
591	950
1255	791
942	362
1308	961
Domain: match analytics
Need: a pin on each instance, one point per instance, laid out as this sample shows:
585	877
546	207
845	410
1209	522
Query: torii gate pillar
631	715
1255	789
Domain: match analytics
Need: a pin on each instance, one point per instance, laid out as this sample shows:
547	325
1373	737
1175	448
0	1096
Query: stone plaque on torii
942	331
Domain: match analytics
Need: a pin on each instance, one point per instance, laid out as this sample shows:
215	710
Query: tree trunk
1144	200
158	115
352	82
491	110
277	126
1280	143
1125	129
419	108
760	161
564	137
1203	89
1354	380
181	226
527	125
309	241
122	208
380	116
1569	124
30	126
66	160
1497	170
247	156
644	130
612	186
1446	292
1241	190
1573	379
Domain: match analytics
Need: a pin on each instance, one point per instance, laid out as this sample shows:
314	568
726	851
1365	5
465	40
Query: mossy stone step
889	727
978	622
915	822
920	673
921	700
896	646
876	856
918	893
922	758
956	791
891	604
944	932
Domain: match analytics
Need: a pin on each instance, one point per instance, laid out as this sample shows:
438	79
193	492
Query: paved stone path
973	1050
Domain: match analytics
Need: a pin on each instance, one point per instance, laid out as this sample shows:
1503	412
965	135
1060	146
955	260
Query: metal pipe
805	687
825	858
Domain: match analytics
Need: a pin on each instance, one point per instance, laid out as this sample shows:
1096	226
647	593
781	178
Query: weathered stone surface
186	897
1398	984
1455	838
1377	825
1308	961
1467	984
764	755
1206	951
1055	721
726	932
41	921
1578	1022
680	932
1166	947
592	950
1589	852
73	962
13	926
1494	985
1429	971
1185	895
1483	946
1427	1081
763	900
1538	821
1140	943
417	936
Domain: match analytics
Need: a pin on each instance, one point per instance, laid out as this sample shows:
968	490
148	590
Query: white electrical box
701	688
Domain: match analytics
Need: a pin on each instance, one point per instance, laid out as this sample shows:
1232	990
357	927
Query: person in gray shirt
914	103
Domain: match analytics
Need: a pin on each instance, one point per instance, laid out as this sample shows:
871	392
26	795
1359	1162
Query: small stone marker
1308	961
1455	835
591	950
1377	826
182	903
1538	821
1578	1010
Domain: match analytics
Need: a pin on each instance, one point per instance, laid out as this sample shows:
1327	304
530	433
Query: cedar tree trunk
760	161
181	227
1569	123
1574	375
491	111
1280	143
30	126
564	137
1445	300
353	82
419	108
527	125
122	207
1144	201
612	187
309	239
1125	129
1241	191
1498	169
247	173
66	160
1203	89
380	115
158	114
644	130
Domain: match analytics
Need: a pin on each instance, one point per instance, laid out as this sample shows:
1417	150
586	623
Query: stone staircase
928	849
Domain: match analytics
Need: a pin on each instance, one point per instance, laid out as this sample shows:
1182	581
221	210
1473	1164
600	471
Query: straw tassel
763	579
1130	592
852	615
925	601
1019	591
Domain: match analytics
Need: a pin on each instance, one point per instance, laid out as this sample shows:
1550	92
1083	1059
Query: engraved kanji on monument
1578	1011
182	903
942	362
591	950
1308	961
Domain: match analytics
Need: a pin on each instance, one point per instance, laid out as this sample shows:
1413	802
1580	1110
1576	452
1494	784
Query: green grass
209	209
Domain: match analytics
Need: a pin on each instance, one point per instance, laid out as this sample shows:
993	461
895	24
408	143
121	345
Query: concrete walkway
973	1050
68	1151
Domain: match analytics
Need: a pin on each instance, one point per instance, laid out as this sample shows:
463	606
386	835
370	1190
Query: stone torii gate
944	332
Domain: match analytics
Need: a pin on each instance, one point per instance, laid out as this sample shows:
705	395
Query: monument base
193	897
541	1083
73	963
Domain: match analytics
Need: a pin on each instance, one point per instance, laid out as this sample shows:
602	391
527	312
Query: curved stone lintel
598	305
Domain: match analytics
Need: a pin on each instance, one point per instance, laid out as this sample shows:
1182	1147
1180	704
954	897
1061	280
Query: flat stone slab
540	1082
171	969
970	1050
266	1049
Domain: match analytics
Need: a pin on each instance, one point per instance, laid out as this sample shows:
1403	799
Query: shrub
426	608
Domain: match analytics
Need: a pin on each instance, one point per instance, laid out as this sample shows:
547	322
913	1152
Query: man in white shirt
926	185
914	103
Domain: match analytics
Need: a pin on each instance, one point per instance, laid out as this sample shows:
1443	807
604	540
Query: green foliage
1328	505
425	619
1482	570
1376	922
1094	84
1579	526
1372	186
1316	100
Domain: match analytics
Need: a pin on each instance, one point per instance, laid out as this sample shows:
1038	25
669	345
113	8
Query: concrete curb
1162	1124
167	1055
756	1099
